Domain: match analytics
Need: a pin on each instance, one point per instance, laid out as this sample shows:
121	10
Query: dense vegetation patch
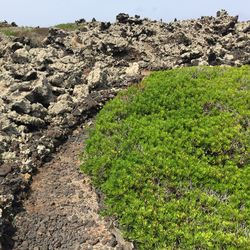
70	26
36	35
173	160
9	31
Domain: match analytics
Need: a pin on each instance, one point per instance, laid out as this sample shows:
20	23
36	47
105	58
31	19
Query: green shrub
36	35
172	157
69	26
8	31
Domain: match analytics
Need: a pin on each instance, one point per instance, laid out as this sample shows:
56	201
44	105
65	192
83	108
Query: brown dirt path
62	210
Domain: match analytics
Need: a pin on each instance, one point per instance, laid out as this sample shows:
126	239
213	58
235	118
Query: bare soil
62	210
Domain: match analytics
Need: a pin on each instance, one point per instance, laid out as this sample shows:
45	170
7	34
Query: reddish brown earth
62	210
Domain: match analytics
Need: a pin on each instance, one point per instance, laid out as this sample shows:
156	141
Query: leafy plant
8	31
69	26
172	157
36	35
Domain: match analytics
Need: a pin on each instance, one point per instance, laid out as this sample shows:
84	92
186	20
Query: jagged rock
38	110
211	57
104	25
13	24
41	93
80	91
97	77
5	169
246	29
16	46
4	24
21	106
181	38
82	20
188	56
122	18
8	156
125	18
229	57
23	40
27	120
7	126
55	38
74	79
133	69
21	56
30	76
57	79
61	107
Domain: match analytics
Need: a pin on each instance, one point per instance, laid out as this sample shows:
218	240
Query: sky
46	13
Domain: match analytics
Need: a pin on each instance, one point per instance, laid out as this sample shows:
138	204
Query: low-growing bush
8	31
36	35
172	156
69	26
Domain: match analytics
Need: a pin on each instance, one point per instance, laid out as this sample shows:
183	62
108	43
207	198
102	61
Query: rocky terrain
48	89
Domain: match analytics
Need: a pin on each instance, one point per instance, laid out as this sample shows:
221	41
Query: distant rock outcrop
6	24
47	91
